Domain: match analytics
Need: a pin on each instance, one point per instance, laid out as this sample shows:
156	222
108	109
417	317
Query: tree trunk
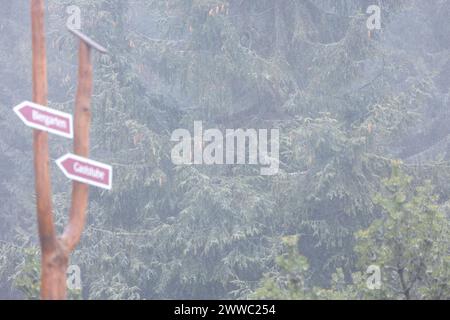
55	251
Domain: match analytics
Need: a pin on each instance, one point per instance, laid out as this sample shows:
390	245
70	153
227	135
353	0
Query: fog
356	108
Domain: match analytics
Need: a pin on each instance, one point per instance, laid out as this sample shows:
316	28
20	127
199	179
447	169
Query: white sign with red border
86	171
45	119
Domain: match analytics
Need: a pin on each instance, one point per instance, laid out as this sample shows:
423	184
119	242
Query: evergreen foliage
346	103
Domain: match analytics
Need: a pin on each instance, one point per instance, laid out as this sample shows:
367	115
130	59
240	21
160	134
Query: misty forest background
365	149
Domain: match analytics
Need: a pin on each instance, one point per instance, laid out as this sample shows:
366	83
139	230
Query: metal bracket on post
91	43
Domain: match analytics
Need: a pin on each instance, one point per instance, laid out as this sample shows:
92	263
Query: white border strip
47	110
88	161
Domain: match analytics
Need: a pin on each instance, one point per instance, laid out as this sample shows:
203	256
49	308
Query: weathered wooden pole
55	251
50	263
82	121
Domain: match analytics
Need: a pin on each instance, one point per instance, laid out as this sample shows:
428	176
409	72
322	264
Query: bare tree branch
80	191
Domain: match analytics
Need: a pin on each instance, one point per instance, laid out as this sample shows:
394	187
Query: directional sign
86	171
45	119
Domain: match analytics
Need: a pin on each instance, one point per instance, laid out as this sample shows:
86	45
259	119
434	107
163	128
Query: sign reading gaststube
86	171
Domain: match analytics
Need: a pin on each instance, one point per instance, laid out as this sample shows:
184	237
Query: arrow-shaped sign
45	119
86	171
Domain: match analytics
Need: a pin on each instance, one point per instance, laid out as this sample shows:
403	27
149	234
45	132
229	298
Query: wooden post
80	191
47	235
55	251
